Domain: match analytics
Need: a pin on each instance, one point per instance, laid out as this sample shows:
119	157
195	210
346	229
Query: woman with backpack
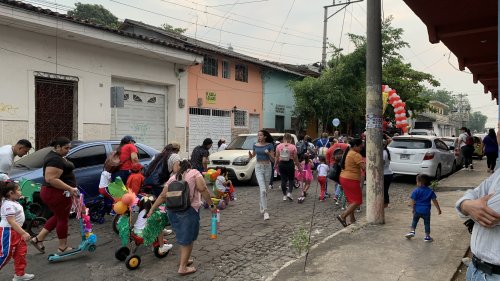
164	164
286	157
128	155
490	149
466	143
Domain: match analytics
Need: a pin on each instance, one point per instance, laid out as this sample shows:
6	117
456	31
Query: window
142	154
410	143
240	118
226	71
241	71
440	145
88	156
210	66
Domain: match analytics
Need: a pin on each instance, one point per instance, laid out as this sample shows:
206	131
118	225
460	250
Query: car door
446	158
89	163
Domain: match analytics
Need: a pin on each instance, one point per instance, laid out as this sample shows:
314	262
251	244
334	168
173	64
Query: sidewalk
381	252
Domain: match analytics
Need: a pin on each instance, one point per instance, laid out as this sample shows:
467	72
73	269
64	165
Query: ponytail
6	187
184	166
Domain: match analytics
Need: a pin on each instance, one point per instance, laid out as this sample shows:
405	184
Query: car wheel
253	180
438	173
454	167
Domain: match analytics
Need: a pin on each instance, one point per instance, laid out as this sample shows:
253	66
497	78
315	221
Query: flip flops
342	221
35	242
189	270
67	249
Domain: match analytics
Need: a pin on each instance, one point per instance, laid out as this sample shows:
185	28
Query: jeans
263	174
427	221
474	274
287	172
467	151
186	225
337	190
387	183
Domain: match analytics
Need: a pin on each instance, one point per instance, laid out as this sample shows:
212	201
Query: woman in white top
387	174
221	145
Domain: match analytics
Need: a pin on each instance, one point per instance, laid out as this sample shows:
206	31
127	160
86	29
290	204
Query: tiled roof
203	46
50	13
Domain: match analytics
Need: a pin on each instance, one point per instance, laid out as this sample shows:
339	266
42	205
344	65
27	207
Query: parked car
452	143
235	158
422	132
412	155
88	158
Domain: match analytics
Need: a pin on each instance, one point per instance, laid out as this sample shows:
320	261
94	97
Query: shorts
186	225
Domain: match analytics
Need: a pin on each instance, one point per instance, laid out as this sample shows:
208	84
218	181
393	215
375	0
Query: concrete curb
361	223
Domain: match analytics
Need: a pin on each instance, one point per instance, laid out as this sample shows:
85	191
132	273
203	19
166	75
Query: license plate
404	157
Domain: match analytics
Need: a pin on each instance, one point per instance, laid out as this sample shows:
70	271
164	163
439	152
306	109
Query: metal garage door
142	117
254	123
208	123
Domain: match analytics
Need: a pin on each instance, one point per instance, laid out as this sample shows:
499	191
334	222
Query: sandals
189	270
190	262
342	221
66	249
36	243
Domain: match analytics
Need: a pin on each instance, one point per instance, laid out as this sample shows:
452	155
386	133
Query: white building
57	73
437	119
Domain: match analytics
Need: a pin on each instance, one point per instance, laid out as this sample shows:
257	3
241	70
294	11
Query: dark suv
88	158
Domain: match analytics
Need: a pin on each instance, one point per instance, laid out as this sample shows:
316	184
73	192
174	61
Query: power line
283	24
238	3
214	28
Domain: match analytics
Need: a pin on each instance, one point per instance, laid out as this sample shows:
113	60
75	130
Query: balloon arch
390	96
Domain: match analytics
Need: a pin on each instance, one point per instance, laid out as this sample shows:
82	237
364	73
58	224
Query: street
247	247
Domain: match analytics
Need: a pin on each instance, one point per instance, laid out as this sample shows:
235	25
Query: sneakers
289	196
266	216
300	200
26	276
165	248
410	234
167	231
284	197
428	239
271	186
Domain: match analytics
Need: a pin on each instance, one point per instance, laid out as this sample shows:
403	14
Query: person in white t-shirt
103	184
221	145
322	173
14	237
9	152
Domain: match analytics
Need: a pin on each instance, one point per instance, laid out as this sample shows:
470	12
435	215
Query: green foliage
124	229
94	13
434	185
170	28
154	226
341	90
300	240
477	122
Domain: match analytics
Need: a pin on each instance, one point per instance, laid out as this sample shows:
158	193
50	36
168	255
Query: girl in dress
305	176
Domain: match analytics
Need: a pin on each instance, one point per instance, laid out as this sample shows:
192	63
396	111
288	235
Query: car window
410	143
440	145
142	154
242	143
33	160
88	156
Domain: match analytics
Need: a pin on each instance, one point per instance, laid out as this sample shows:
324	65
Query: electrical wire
283	24
342	30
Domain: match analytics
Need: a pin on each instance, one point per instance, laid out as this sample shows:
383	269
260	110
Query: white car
422	132
412	155
235	158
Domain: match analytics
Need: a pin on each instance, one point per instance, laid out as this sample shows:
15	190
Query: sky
291	31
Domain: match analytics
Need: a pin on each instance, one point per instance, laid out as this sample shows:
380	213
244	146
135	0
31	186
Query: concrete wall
23	52
277	96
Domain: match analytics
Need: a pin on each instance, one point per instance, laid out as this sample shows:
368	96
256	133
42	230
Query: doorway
279	123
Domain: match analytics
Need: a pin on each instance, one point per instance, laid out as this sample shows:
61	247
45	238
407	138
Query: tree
340	91
170	28
94	13
477	122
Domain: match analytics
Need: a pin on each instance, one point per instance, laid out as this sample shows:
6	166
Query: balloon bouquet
398	105
221	200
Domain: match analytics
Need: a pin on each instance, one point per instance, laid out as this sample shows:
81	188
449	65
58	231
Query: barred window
241	72
226	71
210	66
240	118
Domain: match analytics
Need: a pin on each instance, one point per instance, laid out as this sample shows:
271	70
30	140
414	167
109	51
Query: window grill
240	118
199	111
210	66
226	71
241	72
221	113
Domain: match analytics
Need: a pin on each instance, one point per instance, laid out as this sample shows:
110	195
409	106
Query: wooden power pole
374	145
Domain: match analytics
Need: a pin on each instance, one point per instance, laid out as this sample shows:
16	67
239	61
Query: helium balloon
128	198
120	208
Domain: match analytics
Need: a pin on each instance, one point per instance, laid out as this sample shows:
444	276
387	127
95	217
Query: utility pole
343	4
374	145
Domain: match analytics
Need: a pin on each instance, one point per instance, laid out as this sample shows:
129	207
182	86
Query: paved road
248	248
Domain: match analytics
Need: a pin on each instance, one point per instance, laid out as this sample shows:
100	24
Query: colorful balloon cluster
211	175
399	107
124	198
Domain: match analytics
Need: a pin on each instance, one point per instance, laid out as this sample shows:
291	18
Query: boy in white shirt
322	176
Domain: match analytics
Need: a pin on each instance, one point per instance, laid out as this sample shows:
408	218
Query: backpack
178	196
112	163
334	173
322	150
301	148
469	140
285	154
156	175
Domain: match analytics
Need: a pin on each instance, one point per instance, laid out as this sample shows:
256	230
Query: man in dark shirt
199	156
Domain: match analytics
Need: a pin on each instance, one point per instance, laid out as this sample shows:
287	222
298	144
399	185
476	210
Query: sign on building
210	97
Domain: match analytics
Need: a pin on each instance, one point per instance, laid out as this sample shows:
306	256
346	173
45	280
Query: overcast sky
291	31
